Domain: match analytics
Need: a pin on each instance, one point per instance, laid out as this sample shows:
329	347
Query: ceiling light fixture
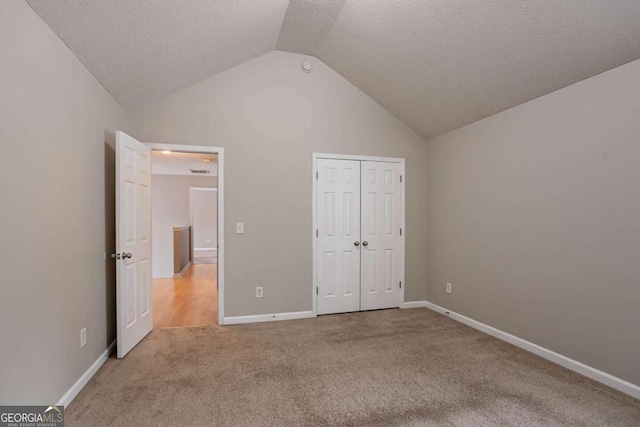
166	152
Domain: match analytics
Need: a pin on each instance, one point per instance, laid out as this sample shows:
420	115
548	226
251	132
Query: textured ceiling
141	50
437	65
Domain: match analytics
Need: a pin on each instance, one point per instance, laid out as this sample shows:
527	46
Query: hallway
188	301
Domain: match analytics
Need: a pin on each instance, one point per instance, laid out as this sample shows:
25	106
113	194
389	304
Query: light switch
240	228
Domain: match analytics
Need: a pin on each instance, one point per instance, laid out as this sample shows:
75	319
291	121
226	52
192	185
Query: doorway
184	238
134	256
358	207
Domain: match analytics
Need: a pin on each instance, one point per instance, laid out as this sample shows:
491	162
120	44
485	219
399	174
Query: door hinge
401	231
317	291
400	178
316	233
316	175
401	284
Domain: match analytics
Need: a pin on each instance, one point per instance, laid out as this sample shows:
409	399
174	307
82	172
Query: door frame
219	151
314	239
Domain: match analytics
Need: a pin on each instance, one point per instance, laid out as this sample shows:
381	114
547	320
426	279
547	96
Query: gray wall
56	185
205	218
170	208
270	117
534	217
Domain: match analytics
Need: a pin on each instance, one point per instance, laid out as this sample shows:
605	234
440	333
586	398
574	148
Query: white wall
57	183
204	206
170	208
534	217
271	117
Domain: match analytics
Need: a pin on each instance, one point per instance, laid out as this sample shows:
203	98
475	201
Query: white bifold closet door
359	253
338	205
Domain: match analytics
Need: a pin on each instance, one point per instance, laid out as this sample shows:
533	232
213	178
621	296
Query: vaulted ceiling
436	64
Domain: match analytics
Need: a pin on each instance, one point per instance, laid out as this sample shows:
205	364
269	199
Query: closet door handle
356	243
365	243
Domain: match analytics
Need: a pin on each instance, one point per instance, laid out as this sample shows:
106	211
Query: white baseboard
414	304
184	270
593	373
204	249
268	317
84	379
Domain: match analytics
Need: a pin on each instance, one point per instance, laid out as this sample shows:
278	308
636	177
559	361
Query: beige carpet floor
382	368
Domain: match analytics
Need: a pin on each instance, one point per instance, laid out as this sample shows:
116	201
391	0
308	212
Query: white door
338	235
382	262
133	242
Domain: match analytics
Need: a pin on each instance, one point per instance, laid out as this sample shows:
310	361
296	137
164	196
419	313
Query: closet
359	243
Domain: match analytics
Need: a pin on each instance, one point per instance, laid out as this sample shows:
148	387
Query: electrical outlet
448	288
83	337
240	228
259	291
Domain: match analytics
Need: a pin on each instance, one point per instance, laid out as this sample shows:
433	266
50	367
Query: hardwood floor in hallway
188	301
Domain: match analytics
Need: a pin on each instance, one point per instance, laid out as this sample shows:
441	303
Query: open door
133	242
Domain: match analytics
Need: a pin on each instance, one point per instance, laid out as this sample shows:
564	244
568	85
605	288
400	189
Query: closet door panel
338	223
381	210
